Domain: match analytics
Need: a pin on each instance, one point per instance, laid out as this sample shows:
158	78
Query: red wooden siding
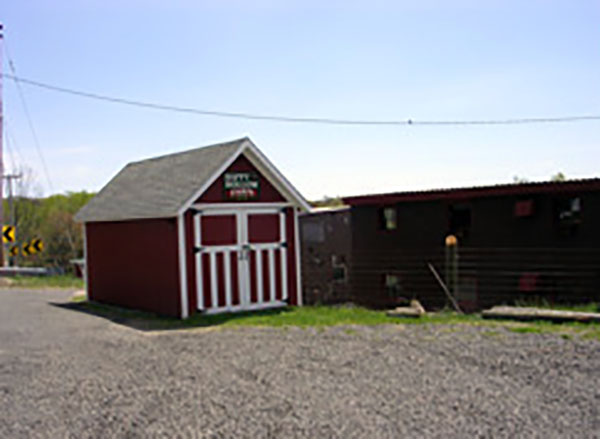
206	281
134	264
278	289
221	277
253	285
235	289
267	193
267	293
190	260
218	230
263	228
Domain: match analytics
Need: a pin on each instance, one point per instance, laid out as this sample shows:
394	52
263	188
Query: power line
315	120
36	140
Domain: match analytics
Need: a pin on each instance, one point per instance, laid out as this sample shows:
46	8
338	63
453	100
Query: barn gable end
266	193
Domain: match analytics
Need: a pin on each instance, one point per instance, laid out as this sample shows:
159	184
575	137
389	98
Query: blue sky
356	60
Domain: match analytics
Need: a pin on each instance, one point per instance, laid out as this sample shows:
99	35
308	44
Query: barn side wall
134	264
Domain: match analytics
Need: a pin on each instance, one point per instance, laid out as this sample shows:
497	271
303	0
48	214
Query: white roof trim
212	179
280	182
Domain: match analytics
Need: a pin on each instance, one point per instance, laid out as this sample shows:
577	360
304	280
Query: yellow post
452	264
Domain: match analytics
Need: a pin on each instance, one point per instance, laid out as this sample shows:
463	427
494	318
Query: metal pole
11	261
1	140
444	287
452	264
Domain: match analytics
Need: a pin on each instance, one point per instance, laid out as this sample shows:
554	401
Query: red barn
213	229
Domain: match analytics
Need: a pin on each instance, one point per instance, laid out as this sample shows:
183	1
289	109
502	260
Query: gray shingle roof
157	187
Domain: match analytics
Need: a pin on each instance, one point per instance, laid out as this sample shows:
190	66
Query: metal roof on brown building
589	184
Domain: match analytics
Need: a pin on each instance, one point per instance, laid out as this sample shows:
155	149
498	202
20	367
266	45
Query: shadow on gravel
145	321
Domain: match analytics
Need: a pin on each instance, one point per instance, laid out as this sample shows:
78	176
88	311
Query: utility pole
1	140
12	260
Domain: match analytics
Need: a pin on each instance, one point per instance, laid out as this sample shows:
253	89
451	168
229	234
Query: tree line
51	220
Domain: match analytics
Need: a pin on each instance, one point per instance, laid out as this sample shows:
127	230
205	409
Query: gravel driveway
65	374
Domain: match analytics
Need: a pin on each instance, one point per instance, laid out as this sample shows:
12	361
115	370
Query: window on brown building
459	220
568	214
388	218
392	284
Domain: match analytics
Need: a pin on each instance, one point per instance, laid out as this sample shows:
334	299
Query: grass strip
41	282
323	316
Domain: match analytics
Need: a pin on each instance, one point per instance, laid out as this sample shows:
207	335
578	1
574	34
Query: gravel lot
65	374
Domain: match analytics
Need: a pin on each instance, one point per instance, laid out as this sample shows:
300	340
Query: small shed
212	229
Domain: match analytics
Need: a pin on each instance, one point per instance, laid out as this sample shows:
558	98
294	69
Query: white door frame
242	247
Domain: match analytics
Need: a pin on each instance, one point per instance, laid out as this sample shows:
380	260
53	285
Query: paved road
65	374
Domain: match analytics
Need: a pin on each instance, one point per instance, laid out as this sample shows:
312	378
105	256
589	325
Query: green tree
519	180
327	202
51	220
62	235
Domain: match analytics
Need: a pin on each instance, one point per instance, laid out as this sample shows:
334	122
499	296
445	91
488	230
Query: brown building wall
325	255
133	264
496	251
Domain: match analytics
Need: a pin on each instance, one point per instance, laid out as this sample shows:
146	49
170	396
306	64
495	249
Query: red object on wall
528	282
524	208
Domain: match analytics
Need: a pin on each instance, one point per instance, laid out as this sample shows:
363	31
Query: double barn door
241	259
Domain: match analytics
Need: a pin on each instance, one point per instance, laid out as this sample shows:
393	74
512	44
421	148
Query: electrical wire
36	140
314	120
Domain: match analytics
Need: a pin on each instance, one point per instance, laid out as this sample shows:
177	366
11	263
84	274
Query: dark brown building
526	242
325	236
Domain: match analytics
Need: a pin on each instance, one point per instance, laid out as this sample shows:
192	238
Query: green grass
320	317
314	316
567	330
308	316
62	281
79	298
